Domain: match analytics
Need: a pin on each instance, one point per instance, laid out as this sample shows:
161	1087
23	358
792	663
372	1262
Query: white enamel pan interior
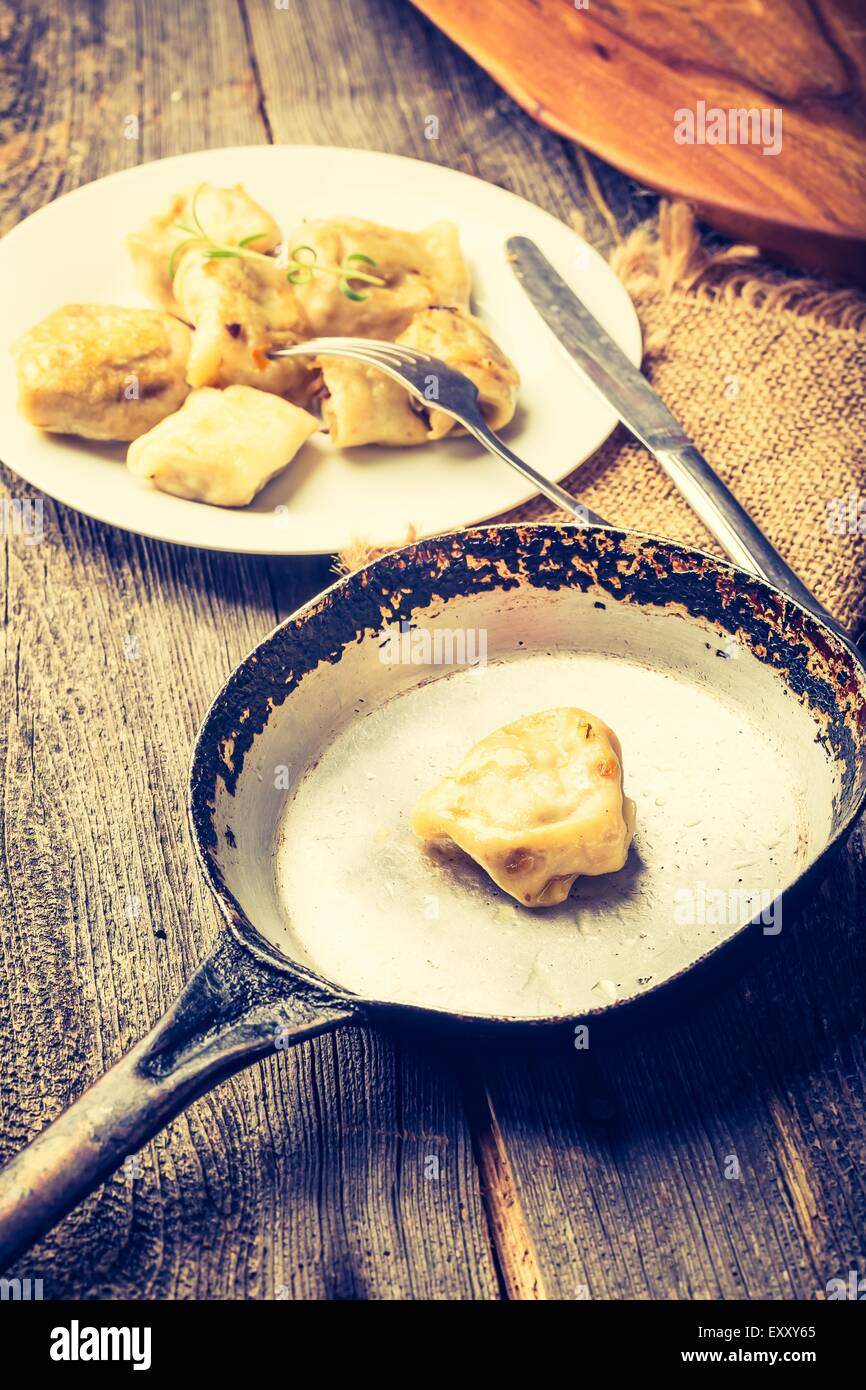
738	716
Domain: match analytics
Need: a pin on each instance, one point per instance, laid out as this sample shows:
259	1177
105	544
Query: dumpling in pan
419	268
536	803
227	215
241	307
222	446
363	406
101	371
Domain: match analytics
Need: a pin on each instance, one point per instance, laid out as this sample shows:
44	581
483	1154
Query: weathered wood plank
302	1173
307	1177
609	1182
74	75
371	74
620	1155
303	1178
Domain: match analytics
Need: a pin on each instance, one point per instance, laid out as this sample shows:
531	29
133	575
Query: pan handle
234	1011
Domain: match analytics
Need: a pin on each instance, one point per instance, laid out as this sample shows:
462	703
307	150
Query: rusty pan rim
266	954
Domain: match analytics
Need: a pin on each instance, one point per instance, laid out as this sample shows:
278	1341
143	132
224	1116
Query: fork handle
474	422
553	491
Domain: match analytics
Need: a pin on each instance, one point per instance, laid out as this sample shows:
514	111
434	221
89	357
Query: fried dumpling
222	446
461	341
363	406
101	371
536	804
227	215
241	307
419	269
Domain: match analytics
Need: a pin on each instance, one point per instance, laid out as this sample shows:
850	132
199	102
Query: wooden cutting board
613	77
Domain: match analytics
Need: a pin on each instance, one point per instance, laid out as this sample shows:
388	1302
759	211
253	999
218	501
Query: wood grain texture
560	1174
612	76
643	1211
715	1152
310	1176
369	75
306	1174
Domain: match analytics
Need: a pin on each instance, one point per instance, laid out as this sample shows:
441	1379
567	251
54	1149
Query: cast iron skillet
742	717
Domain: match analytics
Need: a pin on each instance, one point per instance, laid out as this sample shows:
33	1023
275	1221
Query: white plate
72	251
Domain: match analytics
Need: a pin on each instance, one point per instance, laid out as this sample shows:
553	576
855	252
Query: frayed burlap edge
667	256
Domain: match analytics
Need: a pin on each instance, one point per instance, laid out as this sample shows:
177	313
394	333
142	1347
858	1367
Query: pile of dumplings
188	385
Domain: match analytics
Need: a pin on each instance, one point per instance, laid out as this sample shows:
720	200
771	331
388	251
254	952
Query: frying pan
742	717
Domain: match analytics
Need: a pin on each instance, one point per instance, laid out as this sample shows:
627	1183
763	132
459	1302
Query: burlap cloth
767	373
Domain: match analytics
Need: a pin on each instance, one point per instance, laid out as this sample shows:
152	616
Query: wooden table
561	1173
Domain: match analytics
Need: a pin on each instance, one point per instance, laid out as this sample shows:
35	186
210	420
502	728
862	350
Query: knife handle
741	539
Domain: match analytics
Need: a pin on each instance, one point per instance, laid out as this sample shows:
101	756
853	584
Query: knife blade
640	408
602	360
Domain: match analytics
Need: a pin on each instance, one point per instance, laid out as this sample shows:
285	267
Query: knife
641	410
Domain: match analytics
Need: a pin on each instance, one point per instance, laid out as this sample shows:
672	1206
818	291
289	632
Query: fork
456	396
